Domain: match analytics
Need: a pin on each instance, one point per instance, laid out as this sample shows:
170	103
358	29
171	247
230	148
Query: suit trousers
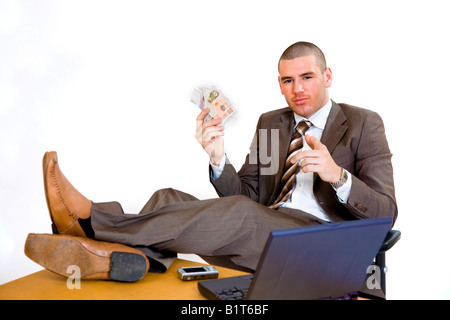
229	231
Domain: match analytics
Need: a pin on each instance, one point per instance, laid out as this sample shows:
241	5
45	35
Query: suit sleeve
373	193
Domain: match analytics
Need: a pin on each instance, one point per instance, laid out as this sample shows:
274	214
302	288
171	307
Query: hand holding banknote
216	109
210	135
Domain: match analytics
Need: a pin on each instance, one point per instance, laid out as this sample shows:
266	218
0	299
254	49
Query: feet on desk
65	203
96	259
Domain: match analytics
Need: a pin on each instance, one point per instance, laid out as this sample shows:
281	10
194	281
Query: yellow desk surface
45	285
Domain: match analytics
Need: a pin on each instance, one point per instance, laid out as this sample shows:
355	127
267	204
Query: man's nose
298	88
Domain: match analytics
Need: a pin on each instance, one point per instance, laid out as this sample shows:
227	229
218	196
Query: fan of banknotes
218	104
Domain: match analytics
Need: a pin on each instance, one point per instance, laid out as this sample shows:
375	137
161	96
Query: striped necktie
291	169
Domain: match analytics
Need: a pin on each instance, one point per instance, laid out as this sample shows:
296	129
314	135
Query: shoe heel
127	267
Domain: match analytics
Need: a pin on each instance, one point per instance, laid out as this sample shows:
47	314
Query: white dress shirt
302	196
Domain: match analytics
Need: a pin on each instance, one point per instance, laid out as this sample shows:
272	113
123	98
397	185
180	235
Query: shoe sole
57	253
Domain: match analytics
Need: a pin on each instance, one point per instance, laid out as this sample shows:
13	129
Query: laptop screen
318	262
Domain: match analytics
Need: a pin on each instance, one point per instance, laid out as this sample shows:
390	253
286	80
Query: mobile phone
198	273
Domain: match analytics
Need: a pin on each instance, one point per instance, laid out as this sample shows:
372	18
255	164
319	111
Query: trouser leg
235	227
165	197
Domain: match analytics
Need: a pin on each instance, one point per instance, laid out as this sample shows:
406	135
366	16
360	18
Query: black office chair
380	261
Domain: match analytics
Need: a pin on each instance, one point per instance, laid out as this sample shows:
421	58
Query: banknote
219	105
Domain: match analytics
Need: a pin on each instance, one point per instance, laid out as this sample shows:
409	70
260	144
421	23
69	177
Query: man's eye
287	81
306	78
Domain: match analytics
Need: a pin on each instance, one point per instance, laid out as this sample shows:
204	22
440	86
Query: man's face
304	85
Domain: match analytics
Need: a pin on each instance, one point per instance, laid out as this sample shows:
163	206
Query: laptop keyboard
236	290
233	288
232	294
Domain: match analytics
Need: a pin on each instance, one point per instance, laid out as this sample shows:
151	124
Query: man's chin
305	111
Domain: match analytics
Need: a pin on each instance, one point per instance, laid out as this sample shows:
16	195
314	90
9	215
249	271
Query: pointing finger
314	143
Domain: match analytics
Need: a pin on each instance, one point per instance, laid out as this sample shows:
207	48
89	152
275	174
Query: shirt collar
318	119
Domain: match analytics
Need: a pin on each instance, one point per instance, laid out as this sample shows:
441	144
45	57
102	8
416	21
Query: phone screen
194	269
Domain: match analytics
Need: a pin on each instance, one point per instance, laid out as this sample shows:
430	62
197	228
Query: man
328	162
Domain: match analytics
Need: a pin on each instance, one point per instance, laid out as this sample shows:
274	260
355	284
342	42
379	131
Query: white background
106	84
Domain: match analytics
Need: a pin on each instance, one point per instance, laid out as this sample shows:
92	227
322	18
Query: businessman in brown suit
344	173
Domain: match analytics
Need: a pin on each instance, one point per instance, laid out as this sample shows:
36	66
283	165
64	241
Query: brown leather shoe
96	259
64	202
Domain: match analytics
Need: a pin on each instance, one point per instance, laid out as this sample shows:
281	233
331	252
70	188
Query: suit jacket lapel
335	128
286	126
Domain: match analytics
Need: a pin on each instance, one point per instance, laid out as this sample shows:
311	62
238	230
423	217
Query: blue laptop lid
318	262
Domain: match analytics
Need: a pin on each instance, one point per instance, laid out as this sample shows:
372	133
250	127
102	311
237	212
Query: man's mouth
300	101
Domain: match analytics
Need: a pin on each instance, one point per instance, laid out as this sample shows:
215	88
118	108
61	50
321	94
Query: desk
45	285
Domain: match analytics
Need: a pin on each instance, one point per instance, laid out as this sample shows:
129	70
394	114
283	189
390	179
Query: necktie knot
303	126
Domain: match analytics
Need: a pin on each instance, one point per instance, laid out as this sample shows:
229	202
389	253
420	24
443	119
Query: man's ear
328	78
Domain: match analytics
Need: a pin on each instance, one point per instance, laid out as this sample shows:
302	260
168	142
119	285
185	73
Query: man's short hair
303	49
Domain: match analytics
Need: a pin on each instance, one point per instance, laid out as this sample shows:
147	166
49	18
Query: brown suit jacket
356	139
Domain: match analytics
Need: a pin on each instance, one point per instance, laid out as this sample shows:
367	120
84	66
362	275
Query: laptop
317	262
